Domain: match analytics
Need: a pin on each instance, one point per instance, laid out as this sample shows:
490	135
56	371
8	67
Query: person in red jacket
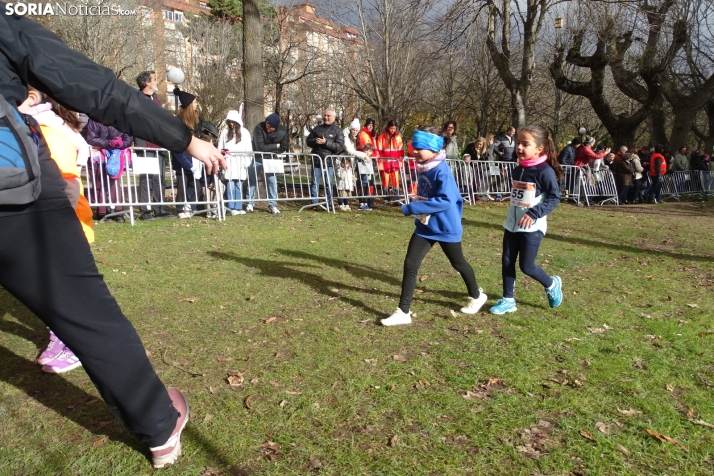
587	156
658	167
390	147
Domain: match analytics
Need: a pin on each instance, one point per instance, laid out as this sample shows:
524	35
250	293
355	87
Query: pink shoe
53	350
64	362
167	454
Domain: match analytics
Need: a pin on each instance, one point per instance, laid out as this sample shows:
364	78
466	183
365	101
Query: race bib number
523	194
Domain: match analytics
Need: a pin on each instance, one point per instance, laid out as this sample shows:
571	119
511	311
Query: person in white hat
236	145
363	157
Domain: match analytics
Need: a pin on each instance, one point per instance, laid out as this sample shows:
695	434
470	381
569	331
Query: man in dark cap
268	136
567	155
57	278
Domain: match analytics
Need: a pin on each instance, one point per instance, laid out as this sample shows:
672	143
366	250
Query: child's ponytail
552	153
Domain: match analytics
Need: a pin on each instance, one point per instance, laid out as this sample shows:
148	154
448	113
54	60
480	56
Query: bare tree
388	70
126	44
213	72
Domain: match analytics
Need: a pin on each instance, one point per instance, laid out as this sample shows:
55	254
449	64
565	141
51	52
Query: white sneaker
184	215
273	210
473	306
397	318
249	208
237	212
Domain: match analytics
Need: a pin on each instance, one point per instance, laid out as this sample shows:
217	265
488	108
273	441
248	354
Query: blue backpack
19	158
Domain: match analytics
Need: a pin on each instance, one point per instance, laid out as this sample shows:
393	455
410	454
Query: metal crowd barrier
598	186
143	182
570	187
291	177
688	182
281	178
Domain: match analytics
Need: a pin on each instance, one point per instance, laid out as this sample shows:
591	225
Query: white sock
551	286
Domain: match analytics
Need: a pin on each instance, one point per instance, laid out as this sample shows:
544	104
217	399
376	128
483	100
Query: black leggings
524	246
45	262
418	248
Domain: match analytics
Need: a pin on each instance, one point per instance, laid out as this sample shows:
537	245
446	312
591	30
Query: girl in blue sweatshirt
437	208
534	194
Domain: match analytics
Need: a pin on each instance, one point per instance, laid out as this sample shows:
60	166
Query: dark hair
143	79
449	123
659	148
233	131
542	139
69	117
432	129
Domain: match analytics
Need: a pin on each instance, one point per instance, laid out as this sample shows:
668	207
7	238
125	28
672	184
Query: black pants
524	246
151	187
46	263
417	250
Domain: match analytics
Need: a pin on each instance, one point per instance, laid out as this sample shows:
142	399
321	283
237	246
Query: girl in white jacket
235	143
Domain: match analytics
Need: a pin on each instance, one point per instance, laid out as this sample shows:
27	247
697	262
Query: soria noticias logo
64	8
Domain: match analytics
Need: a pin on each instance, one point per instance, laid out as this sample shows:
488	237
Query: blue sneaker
503	306
555	295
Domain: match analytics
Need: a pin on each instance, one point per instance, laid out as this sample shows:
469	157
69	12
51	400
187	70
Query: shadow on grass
620	248
296	270
57	394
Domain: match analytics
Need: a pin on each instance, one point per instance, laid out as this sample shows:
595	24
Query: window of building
174	16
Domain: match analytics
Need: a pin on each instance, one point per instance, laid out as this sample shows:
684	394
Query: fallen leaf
293	393
666	439
622	450
250	298
314	463
400	358
668	388
247	402
690	413
100	441
275	384
394	441
572	339
700	422
694	306
213	390
630	412
596	330
453	313
423	278
587	435
638	363
370	361
188	300
269	320
602	427
283	403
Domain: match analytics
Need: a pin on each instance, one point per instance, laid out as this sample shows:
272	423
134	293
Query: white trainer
397	318
249	208
184	215
474	305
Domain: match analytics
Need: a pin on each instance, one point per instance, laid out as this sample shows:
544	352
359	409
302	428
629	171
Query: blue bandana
428	141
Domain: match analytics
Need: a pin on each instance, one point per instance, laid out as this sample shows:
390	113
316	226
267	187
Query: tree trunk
657	121
518	114
252	64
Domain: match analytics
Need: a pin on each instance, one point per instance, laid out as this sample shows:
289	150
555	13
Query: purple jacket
99	136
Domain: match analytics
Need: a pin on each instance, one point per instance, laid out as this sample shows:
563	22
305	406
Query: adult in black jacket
57	278
268	136
505	145
325	139
567	155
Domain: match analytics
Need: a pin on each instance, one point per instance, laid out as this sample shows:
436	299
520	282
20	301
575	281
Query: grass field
287	306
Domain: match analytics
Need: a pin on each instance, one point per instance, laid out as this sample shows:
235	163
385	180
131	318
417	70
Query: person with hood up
364	159
233	142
